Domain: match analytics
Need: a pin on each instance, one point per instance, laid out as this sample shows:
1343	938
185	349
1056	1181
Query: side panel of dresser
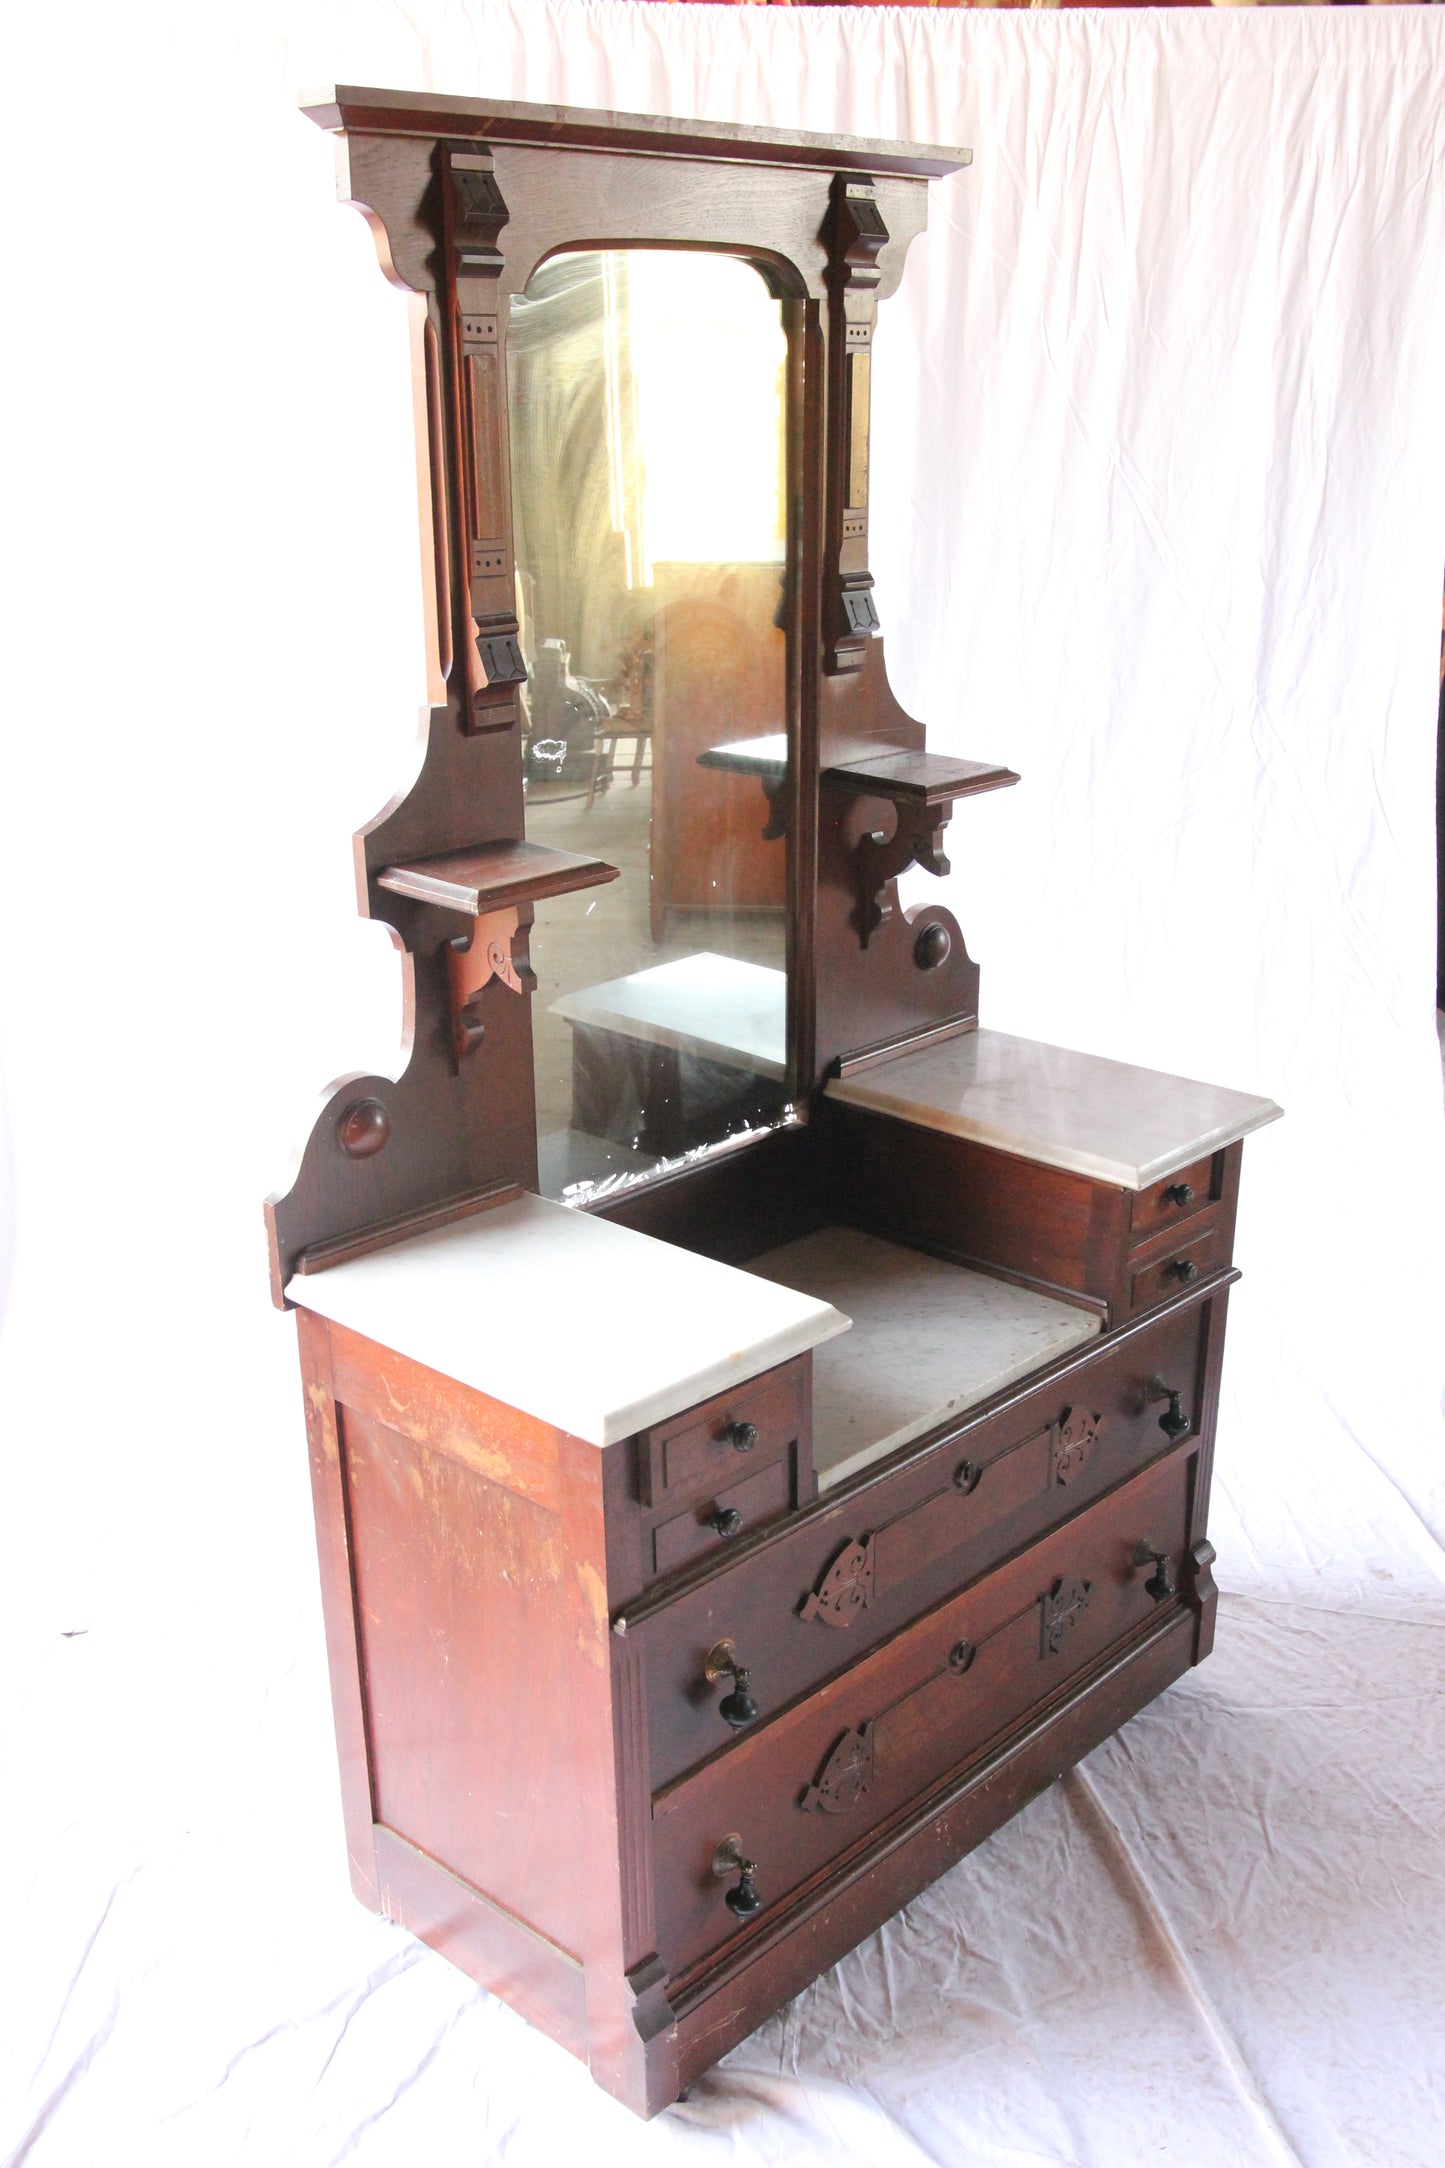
463	1581
1064	1233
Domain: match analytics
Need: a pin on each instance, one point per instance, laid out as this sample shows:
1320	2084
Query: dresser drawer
803	1603
722	1517
1178	1197
802	1791
1159	1271
722	1442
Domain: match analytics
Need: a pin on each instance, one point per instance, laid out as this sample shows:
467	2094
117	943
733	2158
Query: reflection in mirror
648	420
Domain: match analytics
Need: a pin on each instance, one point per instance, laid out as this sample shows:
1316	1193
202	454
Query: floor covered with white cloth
1160	459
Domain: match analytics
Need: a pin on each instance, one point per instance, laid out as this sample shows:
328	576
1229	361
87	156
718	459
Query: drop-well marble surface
1105	1119
589	1326
929	1339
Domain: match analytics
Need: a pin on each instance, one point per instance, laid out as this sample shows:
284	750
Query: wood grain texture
494	875
334	1556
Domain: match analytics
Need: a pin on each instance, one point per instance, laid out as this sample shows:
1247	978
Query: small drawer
796	1794
722	1441
807	1600
718	1520
1176	1198
1176	1266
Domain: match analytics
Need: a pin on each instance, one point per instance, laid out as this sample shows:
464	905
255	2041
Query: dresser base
675	2038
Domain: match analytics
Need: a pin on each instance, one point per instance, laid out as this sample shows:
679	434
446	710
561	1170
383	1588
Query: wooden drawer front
1165	1271
1178	1197
711	1524
723	1441
802	1791
803	1605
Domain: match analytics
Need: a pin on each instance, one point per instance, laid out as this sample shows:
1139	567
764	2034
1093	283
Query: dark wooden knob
739	1708
1173	1422
1182	1269
744	1901
1161	1584
726	1520
1179	1193
743	1436
966	1475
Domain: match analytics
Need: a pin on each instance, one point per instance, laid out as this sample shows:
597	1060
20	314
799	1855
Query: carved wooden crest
844	1777
1060	1612
1074	1436
845	1589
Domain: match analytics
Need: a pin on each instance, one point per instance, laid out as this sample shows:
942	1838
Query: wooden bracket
917	840
474	959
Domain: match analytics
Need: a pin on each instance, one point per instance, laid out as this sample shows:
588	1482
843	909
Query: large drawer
804	1603
797	1795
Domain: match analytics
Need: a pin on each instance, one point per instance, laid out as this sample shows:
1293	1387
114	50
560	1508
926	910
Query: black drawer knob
743	1902
1174	1423
966	1476
725	1519
1161	1584
1179	1193
737	1708
1182	1269
742	1436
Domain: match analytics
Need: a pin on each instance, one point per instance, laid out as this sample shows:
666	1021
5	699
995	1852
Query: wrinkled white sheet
1160	459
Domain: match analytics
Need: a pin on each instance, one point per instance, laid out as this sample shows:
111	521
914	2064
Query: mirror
650	491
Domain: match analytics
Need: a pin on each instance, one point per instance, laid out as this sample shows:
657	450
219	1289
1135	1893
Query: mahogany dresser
760	1421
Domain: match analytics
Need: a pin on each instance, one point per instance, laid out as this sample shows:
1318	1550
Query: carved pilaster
474	213
856	235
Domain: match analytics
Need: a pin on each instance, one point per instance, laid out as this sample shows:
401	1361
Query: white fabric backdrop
1160	521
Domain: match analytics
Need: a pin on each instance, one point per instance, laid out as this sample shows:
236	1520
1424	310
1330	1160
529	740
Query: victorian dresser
760	1421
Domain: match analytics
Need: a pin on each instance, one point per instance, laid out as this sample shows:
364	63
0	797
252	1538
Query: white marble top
1105	1119
929	1339
713	1006
586	1325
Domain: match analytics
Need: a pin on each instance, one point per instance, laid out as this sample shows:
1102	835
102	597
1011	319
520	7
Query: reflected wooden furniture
706	1571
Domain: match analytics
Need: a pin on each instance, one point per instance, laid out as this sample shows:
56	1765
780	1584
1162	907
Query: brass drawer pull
737	1708
743	1902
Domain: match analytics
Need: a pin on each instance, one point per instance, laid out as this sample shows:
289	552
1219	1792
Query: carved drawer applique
849	1770
1059	1613
1074	1437
845	1589
844	1777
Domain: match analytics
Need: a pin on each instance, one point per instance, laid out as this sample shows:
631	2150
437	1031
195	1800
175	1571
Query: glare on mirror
649	481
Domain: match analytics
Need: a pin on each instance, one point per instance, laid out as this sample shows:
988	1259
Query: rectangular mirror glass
649	477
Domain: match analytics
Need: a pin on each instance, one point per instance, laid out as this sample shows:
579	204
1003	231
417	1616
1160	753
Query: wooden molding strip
384	1233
